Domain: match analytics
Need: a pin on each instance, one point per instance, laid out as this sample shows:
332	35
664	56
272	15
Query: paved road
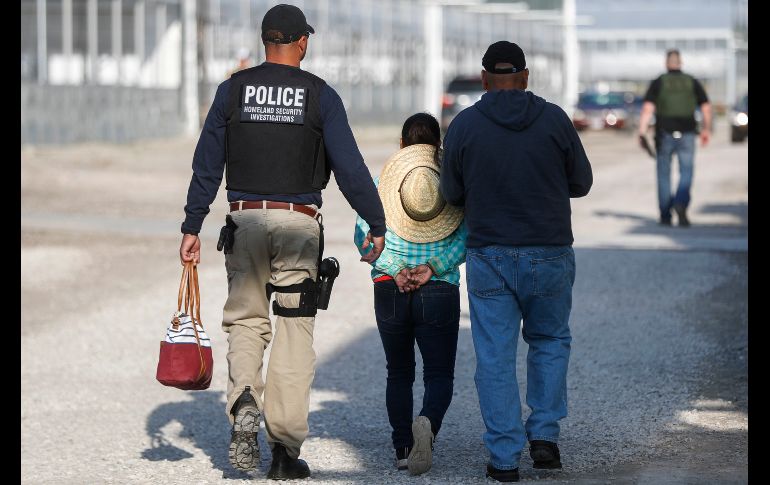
657	379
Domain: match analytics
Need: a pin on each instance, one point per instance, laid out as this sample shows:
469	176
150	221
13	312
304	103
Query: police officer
673	98
279	131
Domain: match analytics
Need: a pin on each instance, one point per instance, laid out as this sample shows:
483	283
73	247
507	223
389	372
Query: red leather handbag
186	361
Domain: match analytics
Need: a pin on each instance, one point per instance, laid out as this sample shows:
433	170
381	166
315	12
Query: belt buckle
677	135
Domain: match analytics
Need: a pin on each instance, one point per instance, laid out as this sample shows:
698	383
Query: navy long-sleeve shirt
352	175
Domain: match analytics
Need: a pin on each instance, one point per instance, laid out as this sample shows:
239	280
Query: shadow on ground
648	225
644	351
356	415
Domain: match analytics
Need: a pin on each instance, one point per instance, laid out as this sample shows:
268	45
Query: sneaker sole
244	447
421	456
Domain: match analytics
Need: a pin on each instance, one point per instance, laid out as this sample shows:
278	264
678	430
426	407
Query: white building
125	69
623	44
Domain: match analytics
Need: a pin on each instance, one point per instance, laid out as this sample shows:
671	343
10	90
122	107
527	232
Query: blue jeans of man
684	147
430	316
508	284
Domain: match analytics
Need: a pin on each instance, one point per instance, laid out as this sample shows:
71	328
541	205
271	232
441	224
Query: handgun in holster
314	294
227	235
328	271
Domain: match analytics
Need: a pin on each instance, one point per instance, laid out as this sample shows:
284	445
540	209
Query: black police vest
274	137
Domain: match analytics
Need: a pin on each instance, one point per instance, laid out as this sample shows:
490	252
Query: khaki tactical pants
279	247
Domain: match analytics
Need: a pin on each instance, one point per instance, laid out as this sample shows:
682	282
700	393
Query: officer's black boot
244	447
285	467
681	213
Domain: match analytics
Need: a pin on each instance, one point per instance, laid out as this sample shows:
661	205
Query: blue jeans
684	148
506	284
431	316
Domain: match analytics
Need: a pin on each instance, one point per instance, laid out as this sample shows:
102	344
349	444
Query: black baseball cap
504	52
288	20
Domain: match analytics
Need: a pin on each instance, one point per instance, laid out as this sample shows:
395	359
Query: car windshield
601	100
464	85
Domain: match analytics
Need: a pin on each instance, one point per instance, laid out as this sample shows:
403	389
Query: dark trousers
431	316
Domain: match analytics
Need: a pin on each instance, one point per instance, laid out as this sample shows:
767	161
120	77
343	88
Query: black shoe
681	213
285	467
244	447
545	454
664	222
503	475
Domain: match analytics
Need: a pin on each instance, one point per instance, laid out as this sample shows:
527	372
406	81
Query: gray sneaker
244	447
421	457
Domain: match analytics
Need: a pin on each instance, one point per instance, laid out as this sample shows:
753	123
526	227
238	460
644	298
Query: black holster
308	300
227	235
328	271
313	294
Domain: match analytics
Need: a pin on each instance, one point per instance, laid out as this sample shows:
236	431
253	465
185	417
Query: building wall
624	60
68	114
623	44
127	54
373	52
114	76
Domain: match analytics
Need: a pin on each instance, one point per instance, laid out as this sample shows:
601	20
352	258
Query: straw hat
409	189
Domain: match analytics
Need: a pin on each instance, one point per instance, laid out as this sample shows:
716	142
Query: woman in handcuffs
416	288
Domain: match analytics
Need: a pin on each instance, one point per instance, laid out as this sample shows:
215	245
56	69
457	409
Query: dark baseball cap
288	20
504	52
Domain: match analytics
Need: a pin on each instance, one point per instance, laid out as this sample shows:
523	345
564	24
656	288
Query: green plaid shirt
444	256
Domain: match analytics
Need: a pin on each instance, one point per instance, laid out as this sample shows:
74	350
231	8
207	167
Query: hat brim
310	29
396	218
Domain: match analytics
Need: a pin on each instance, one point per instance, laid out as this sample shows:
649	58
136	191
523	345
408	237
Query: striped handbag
185	360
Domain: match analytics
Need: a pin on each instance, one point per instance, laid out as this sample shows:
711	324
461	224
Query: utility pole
434	57
190	68
42	43
571	57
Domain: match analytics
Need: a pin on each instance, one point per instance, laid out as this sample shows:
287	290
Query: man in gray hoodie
514	160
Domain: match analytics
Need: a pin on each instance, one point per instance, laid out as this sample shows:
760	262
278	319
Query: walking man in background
513	161
280	132
673	98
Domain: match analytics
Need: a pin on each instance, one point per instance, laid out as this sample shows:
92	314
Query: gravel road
657	378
